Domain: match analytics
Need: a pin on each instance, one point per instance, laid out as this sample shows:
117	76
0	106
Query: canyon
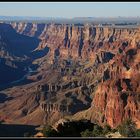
77	70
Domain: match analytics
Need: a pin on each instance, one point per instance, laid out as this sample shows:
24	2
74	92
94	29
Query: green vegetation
97	131
128	129
82	128
85	128
86	133
48	131
137	133
107	129
68	129
114	130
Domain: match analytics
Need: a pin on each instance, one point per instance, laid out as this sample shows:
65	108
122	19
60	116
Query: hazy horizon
70	9
72	17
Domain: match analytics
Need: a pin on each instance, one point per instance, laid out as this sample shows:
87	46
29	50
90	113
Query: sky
70	9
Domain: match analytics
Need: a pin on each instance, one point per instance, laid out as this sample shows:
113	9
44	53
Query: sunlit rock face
82	41
77	68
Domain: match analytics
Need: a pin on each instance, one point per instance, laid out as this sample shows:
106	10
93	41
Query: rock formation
76	68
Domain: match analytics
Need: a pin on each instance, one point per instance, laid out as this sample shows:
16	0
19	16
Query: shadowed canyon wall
107	87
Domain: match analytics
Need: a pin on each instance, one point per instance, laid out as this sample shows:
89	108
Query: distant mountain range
25	18
72	20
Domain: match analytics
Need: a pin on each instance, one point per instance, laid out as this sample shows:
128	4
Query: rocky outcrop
116	98
79	41
114	103
95	69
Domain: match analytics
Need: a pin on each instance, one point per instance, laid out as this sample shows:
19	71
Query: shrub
127	128
106	129
137	133
48	131
86	133
68	129
114	130
97	131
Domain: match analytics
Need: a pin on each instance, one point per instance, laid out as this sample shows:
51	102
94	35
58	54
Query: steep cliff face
111	106
117	96
17	51
89	68
14	56
79	41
